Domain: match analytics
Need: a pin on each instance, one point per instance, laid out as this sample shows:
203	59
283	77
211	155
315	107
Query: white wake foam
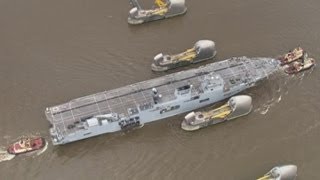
5	156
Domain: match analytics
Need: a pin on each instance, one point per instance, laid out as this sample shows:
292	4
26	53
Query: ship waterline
133	105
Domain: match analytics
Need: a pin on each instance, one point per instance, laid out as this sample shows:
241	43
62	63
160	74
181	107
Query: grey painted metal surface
285	172
138	15
202	50
236	106
133	105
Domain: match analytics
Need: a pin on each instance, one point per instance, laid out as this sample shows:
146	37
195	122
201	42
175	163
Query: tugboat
300	65
286	172
25	145
201	51
236	106
292	56
163	9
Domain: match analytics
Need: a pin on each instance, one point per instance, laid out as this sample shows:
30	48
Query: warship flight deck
133	105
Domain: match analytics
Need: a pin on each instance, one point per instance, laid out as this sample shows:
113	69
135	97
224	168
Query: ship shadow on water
83	147
99	145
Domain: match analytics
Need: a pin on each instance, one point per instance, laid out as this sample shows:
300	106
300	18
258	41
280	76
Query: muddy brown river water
54	51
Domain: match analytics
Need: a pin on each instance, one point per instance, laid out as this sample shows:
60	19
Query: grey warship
143	102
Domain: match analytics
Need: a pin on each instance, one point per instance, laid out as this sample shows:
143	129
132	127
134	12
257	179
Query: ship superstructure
133	105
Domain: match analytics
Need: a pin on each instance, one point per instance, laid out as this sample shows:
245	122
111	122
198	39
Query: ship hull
154	115
139	103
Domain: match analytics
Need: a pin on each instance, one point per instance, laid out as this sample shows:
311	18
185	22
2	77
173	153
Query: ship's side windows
195	97
176	107
204	100
87	134
169	108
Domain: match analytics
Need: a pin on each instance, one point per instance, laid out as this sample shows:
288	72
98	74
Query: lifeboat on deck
25	145
292	56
